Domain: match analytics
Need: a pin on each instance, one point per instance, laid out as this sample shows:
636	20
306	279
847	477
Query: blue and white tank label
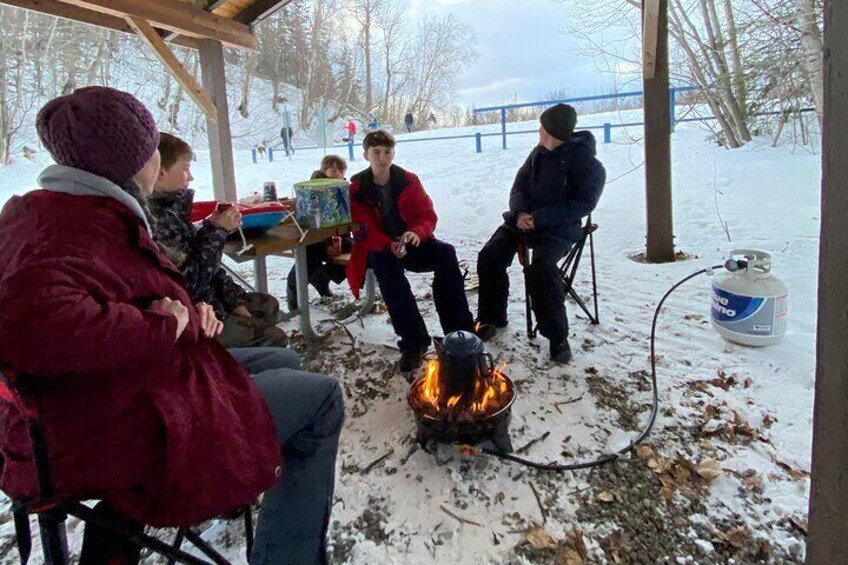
749	315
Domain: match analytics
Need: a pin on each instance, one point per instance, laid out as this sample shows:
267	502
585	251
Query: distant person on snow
556	187
286	135
351	131
399	222
408	121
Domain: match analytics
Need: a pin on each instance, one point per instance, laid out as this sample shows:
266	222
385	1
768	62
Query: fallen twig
409	454
533	442
350	335
569	401
460	518
539	502
377	461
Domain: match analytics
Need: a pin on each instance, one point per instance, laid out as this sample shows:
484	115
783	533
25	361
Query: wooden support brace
651	14
179	17
84	15
146	32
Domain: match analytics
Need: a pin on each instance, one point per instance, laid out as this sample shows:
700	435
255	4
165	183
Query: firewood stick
377	462
539	502
460	518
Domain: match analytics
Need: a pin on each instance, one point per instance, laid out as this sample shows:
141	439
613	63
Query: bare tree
442	48
745	56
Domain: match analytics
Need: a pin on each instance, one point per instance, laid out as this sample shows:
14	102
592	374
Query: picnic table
286	240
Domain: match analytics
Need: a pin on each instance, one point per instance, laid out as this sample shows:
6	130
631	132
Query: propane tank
749	303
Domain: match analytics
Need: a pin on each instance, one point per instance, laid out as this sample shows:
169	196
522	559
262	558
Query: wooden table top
283	237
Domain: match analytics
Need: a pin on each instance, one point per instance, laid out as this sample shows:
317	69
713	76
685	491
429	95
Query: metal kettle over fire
461	361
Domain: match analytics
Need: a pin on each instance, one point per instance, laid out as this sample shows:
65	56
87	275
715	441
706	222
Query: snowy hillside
724	474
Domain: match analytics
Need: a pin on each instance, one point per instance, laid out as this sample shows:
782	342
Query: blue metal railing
607	127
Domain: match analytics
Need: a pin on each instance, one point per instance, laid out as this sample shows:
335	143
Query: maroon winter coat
413	204
171	433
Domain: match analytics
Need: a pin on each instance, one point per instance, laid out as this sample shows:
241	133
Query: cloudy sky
525	52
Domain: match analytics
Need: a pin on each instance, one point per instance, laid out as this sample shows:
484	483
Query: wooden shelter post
220	140
660	225
827	542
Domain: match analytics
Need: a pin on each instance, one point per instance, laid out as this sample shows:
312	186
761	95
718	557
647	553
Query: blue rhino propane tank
749	303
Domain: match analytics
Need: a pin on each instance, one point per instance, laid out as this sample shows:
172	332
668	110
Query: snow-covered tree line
746	57
358	58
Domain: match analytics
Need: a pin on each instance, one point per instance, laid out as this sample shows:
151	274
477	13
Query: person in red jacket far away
398	236
351	131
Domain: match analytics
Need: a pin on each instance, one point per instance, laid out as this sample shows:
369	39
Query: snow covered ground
724	474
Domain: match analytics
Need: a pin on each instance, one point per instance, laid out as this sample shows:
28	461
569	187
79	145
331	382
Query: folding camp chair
567	270
52	511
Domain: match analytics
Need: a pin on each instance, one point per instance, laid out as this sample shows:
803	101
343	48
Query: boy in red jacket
399	222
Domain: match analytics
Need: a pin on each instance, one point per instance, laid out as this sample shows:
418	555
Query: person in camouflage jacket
249	318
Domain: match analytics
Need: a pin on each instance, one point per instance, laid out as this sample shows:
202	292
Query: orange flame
491	393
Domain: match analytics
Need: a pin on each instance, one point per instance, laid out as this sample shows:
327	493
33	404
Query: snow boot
560	351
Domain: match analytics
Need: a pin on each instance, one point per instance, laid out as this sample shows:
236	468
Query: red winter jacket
170	433
413	204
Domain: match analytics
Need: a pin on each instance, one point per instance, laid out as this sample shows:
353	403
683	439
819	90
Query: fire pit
462	397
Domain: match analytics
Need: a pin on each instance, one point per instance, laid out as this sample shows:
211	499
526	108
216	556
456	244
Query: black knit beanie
559	121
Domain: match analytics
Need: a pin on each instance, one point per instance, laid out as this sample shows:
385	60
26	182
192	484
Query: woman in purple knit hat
140	406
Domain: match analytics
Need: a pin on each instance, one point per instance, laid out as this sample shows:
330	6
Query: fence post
607	133
350	148
270	154
479	139
503	126
672	94
253	153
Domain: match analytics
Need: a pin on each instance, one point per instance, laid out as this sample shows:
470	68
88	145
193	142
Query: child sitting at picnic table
250	318
319	256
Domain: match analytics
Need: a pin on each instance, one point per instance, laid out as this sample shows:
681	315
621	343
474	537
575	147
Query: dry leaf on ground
566	555
606	496
541	539
709	469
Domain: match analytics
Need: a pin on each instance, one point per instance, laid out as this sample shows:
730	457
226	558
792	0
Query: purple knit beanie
100	130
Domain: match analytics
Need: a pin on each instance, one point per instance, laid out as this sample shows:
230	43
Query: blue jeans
308	411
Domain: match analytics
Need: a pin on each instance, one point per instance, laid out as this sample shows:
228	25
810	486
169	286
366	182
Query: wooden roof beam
259	10
147	34
185	19
83	15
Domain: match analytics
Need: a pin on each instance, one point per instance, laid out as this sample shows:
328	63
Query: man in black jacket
559	184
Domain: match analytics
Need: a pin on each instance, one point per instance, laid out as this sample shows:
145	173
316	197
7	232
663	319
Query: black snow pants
546	288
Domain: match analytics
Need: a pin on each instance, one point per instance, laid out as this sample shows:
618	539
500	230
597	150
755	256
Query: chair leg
597	319
54	539
524	260
177	544
248	530
141	539
201	544
23	534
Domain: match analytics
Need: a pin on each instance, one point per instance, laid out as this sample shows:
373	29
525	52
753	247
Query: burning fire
491	393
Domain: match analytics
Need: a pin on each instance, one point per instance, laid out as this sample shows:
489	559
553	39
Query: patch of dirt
641	257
